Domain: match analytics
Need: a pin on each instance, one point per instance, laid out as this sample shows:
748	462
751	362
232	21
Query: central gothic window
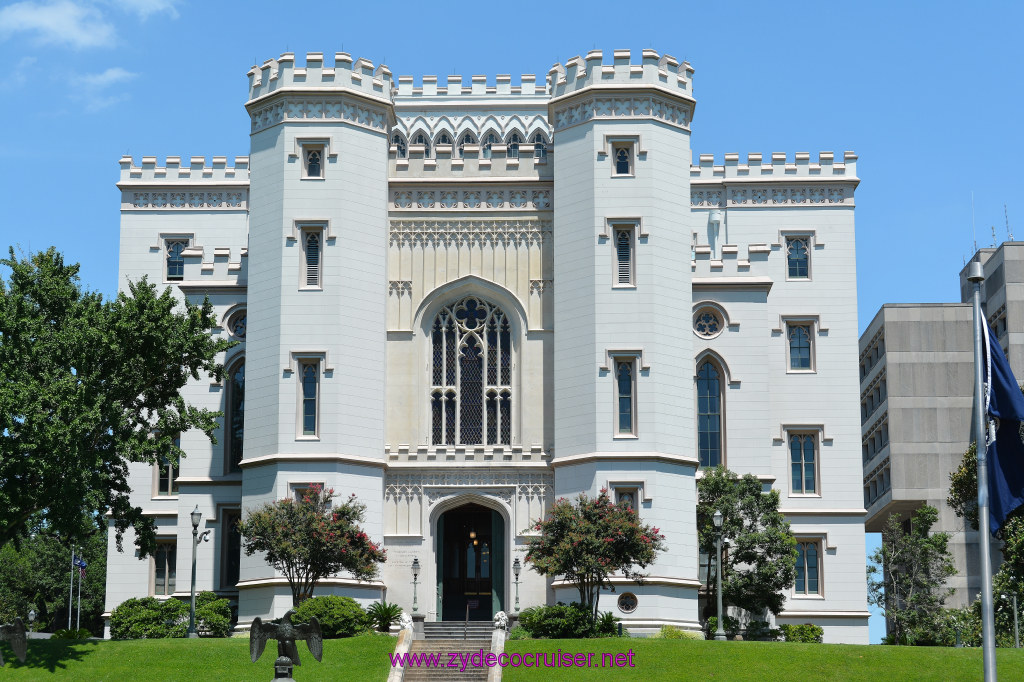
471	381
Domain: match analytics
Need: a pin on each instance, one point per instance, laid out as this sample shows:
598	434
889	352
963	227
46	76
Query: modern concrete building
471	298
917	388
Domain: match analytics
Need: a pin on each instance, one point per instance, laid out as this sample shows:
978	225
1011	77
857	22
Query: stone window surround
814	323
324	369
304	144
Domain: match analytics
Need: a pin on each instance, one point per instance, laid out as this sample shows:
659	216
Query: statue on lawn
287	634
15	634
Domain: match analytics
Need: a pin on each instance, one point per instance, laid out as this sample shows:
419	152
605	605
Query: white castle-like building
471	299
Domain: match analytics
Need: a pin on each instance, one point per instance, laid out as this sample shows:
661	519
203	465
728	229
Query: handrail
465	631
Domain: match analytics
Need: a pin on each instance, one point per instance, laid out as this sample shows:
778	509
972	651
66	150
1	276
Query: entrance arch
470	560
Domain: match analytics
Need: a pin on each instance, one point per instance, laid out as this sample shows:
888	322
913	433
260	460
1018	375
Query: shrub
806	633
338	616
149	618
607	625
382	614
213	615
731	627
761	631
518	632
670	632
64	633
558	621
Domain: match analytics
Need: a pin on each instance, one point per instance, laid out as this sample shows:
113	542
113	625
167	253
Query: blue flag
1004	403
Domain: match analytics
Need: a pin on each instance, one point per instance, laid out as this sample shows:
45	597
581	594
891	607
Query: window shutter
623	256
313	260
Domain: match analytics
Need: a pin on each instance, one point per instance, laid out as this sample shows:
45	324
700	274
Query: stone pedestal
417	625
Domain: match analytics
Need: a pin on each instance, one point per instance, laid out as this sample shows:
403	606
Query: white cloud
19	74
145	8
61	23
92	90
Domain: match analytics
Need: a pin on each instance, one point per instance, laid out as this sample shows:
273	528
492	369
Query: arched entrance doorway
470	563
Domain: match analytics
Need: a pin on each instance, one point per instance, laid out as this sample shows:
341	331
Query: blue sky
927	94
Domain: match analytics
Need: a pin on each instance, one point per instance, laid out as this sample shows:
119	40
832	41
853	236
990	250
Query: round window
236	325
707	322
627	602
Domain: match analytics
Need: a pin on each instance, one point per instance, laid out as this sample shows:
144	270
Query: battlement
661	71
360	75
193	171
778	167
453	86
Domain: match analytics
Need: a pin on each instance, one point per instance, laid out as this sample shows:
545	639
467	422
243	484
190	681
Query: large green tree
36	576
89	386
760	561
908	576
311	539
588	540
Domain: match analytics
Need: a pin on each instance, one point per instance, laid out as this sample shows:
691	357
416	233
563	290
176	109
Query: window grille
466	139
313	259
399	143
471	375
799	346
797	258
422	139
489	142
624	256
513	143
443	138
313	163
622	161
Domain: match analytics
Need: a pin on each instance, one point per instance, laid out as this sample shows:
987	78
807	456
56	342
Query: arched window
422	139
471	375
540	147
313	163
622	161
513	143
310	393
399	143
489	142
234	424
796	257
467	138
801	449
443	138
799	346
313	258
709	415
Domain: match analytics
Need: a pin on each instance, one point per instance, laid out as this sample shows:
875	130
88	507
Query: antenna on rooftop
974	232
993	236
1009	234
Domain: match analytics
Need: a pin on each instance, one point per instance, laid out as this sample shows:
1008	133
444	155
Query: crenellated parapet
478	85
281	74
755	183
193	185
654	70
585	89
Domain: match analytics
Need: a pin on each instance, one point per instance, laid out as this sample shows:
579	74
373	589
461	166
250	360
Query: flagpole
988	630
71	591
78	618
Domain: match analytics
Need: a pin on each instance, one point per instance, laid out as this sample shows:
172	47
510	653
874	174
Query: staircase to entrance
457	629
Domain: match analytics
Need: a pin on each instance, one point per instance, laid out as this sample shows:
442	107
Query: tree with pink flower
311	539
587	541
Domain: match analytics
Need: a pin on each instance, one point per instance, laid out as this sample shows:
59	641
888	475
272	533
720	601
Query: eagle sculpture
15	634
286	634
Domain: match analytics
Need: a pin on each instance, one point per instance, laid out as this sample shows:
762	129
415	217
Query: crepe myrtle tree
311	539
86	387
588	540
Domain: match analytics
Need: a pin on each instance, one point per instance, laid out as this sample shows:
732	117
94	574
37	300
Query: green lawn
366	659
678	660
357	658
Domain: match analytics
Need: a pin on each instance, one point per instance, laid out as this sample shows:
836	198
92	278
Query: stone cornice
592	104
292	458
303	106
586	458
438	232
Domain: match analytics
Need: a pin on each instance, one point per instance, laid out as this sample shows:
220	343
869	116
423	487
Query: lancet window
471	375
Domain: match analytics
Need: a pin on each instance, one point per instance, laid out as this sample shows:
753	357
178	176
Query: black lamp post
415	582
516	568
197	537
717	518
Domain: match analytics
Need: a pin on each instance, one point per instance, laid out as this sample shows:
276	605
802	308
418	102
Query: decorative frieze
171	200
539	286
399	288
443	233
765	196
438	485
608	107
319	108
472	198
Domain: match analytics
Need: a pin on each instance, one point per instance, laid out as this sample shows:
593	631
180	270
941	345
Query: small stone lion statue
500	621
405	621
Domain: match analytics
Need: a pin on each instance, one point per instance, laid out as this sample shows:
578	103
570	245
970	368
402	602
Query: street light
1016	632
717	518
516	568
197	537
415	576
32	620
